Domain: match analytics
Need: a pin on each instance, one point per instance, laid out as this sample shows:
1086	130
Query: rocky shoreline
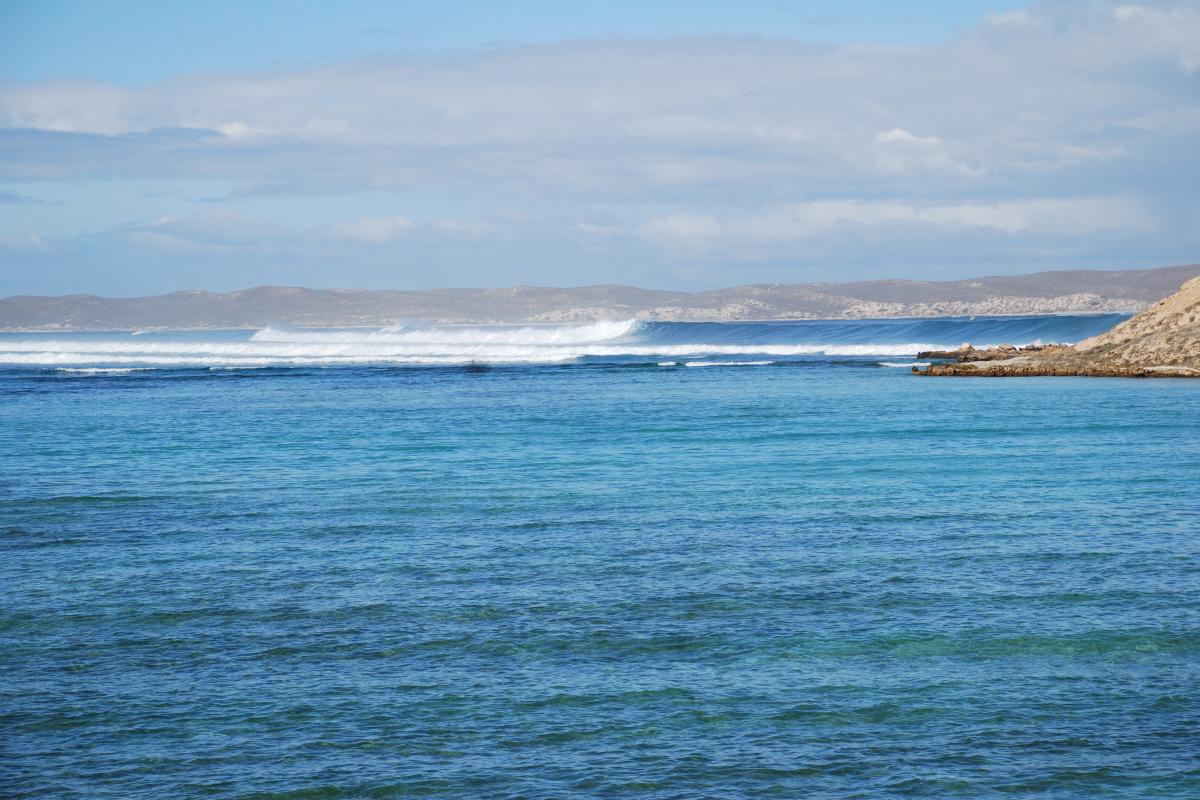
967	353
1161	342
1033	369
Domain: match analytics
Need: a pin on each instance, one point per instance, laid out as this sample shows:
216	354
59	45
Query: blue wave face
948	331
662	343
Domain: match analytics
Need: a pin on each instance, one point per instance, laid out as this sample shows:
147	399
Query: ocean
626	560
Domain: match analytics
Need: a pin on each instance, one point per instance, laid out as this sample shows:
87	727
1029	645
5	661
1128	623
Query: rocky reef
968	353
1161	342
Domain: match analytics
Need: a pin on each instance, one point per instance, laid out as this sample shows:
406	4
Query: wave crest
662	342
468	335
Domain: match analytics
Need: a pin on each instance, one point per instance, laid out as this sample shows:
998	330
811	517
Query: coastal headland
1162	341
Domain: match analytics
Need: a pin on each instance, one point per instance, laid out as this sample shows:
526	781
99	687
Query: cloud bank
1061	135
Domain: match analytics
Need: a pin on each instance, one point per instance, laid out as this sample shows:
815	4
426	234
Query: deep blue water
816	577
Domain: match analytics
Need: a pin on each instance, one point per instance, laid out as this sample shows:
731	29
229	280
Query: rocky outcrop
1162	341
968	353
1033	369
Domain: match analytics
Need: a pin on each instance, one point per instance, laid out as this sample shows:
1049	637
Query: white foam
102	370
727	363
470	335
903	364
446	345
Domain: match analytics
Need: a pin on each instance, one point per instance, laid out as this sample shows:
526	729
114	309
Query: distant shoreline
1075	292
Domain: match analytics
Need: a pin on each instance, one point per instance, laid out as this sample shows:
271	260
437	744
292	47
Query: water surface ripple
820	578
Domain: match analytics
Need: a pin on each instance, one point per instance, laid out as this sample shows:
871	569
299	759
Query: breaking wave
457	336
667	343
102	370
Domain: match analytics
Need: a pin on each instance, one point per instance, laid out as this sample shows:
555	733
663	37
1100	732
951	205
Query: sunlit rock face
1163	340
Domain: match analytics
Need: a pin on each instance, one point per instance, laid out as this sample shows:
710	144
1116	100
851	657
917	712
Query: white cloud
378	230
737	111
238	130
1020	19
1173	30
799	221
901	135
26	241
226	231
1067	127
175	245
68	107
902	152
222	226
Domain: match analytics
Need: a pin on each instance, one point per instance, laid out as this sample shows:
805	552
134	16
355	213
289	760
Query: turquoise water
592	576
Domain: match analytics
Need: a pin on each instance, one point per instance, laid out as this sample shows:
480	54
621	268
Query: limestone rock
1162	341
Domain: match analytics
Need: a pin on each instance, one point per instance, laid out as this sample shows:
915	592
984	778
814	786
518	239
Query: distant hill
1075	291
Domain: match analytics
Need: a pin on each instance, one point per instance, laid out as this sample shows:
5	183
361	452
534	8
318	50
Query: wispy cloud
791	223
377	230
673	112
29	242
1067	128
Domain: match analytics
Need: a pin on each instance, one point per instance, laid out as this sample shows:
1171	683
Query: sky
149	147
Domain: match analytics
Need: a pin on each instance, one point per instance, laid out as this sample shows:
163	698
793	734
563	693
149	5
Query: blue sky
133	43
149	147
